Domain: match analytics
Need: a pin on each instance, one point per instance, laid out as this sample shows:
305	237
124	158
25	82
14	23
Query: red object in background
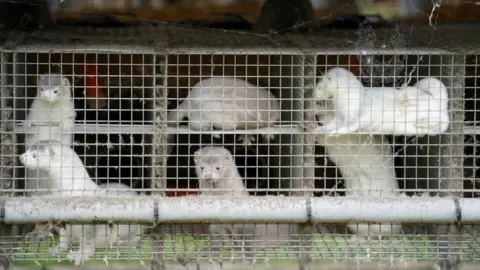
93	86
350	62
178	193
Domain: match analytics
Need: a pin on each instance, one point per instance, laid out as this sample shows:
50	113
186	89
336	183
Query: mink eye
217	168
34	155
56	91
201	168
42	89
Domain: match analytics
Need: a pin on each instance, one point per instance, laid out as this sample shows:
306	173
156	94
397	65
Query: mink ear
229	156
39	80
65	81
196	156
329	78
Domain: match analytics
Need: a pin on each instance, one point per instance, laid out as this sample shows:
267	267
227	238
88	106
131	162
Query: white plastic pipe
149	209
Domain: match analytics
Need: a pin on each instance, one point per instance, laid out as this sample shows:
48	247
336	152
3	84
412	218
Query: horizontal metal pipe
79	209
133	48
204	209
149	129
273	48
403	209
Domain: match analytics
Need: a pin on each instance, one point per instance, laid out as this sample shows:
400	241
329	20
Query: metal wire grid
302	160
125	96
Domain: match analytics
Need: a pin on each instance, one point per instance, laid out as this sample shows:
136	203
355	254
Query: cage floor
404	251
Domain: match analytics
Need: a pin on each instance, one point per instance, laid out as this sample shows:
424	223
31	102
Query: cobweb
389	67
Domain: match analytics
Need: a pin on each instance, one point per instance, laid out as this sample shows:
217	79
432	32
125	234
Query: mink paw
53	251
27	124
268	137
36	236
77	257
246	139
67	125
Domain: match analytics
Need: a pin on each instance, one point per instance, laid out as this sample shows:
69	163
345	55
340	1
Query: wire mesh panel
381	161
81	120
7	146
233	124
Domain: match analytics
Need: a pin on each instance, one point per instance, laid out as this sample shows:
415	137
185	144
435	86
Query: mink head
40	155
334	79
53	87
213	163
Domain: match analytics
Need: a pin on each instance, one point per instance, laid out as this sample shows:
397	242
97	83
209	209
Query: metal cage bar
451	157
160	153
269	209
7	141
308	152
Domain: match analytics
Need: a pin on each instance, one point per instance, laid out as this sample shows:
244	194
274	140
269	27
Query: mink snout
44	96
211	180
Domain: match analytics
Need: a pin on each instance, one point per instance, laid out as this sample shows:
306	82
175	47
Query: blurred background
181	10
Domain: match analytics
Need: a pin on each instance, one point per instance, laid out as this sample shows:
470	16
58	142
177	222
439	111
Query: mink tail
434	87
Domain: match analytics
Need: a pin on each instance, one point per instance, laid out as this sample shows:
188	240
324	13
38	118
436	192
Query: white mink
51	117
344	90
431	89
411	110
63	167
68	177
216	170
227	103
367	166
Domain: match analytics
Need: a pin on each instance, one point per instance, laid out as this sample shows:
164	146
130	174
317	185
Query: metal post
308	153
7	151
450	156
159	157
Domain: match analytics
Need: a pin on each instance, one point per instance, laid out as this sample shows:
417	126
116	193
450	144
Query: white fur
414	110
227	103
51	117
63	167
119	234
68	177
367	166
344	90
216	170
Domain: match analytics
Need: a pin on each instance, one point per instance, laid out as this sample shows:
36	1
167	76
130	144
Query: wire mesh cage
101	97
212	147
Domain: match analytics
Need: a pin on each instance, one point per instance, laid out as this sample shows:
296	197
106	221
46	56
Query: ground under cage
142	86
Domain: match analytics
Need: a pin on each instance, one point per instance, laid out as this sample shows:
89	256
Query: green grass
36	254
325	248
